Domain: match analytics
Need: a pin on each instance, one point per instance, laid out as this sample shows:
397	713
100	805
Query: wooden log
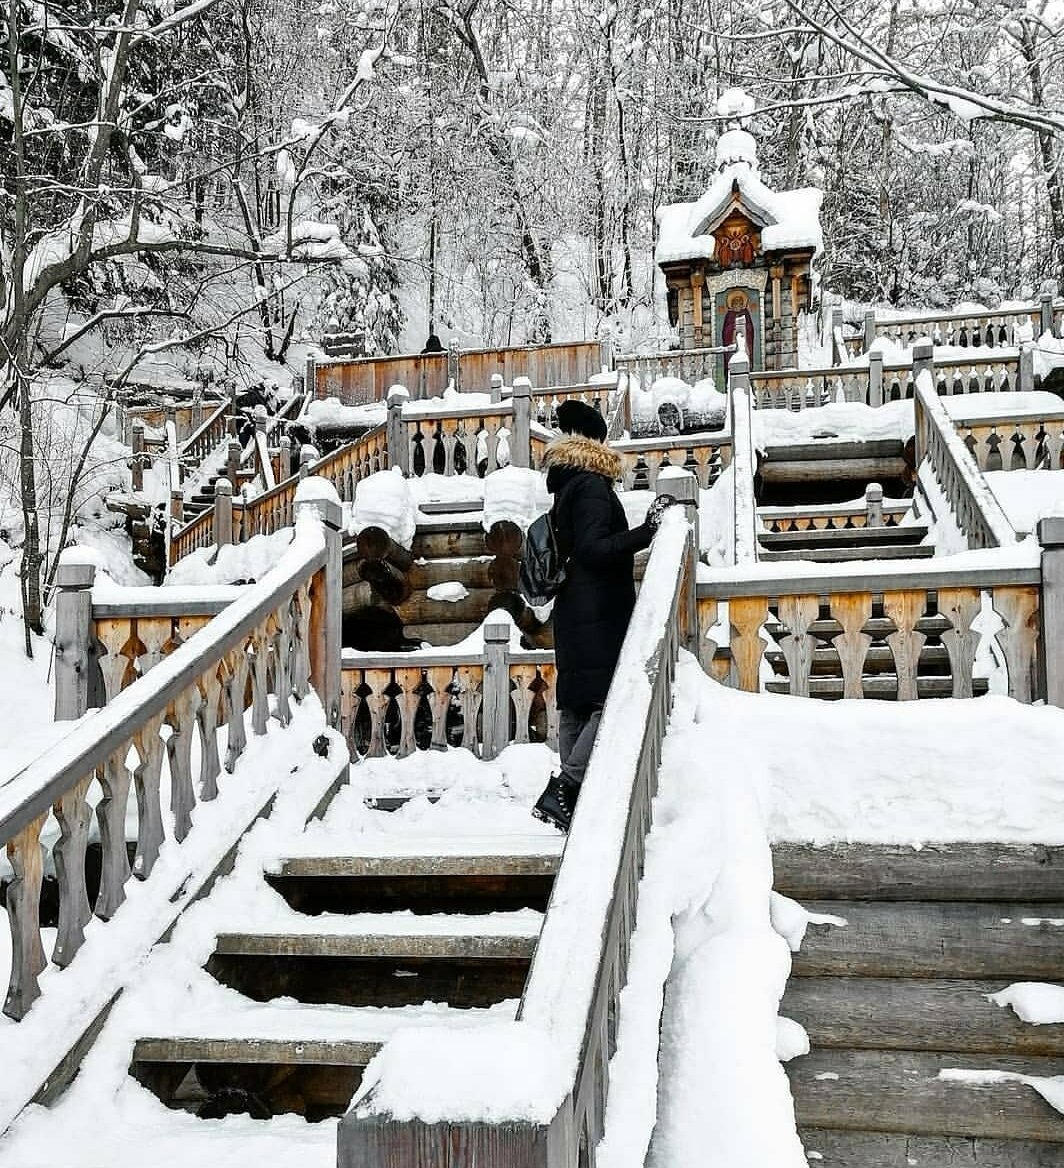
504	538
440	634
934	940
901	1092
472	571
505	573
872	1149
459	539
419	609
907	1013
954	871
374	543
391	584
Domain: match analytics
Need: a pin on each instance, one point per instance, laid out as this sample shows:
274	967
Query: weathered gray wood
114	778
472	571
445	865
461	537
861	580
845	554
953	871
521	435
829	537
324	1052
182	721
1051	537
424	945
146	778
901	1092
496	691
914	1014
837	1149
216	601
73	814
73	634
883	687
374	543
25	854
223	512
934	939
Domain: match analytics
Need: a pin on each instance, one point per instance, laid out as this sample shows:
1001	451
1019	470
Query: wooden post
73	636
1046	314
398	440
223	512
261	418
924	359
497	382
170	415
308	456
873	501
1051	610
232	461
606	353
310	378
319	496
682	485
285	446
177	506
521	435
454	364
496	702
137	466
197	406
875	379
1026	376
869	330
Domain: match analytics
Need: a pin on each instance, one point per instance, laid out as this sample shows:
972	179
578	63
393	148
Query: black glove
658	508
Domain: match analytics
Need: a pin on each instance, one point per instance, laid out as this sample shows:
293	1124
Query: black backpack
542	563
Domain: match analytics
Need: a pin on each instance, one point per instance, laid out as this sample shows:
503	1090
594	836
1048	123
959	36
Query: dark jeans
576	737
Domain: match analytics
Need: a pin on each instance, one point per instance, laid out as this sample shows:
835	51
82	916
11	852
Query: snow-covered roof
787	219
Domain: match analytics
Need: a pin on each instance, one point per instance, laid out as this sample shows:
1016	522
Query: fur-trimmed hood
574	453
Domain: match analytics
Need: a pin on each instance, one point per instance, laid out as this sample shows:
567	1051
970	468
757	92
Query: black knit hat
576	418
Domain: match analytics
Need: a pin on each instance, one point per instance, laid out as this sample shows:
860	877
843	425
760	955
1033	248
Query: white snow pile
699	404
452	591
517	494
1027	495
716	520
235	563
1048	354
384	500
331	414
1050	1087
973	407
839	421
1039	1003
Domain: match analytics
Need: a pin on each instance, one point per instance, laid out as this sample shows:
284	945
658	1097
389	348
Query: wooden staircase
838	546
896	999
375	942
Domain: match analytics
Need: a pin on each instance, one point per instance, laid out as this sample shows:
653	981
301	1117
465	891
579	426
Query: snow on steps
898	994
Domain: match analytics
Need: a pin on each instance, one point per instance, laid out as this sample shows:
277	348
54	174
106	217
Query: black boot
558	801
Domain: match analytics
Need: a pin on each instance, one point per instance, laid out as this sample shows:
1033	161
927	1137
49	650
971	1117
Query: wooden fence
690	365
368	379
871	511
705	455
1005	442
278	639
435	698
580	965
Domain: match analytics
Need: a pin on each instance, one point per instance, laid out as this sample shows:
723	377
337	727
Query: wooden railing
206	438
277	639
688	365
799	389
643	459
439	698
871	627
545	401
975	509
566	1023
987	328
744	458
872	511
1007	442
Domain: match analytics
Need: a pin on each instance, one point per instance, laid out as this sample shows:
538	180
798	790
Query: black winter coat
592	610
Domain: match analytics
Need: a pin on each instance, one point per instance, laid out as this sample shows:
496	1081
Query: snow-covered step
955	939
835	555
913	1092
905	1013
871	1149
932	871
868	537
884	686
451	506
464	884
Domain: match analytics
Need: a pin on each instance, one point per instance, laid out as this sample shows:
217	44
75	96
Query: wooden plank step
341	1052
914	1014
900	1091
451	506
476	946
935	871
429	865
838	555
934	939
883	686
847	536
860	1149
828	449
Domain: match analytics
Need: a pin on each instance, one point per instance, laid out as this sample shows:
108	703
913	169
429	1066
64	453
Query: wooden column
326	594
869	330
873	505
1046	314
1026	375
875	379
285	447
497	383
137	465
923	358
454	364
521	434
310	377
73	636
1051	537
232	461
697	282
223	512
682	485
496	701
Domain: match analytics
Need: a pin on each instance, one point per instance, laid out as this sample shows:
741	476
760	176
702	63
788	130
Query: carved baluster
747	614
236	677
377	701
258	654
181	718
155	635
150	747
208	718
301	644
114	778
73	814
960	606
25	853
523	676
905	609
470	682
852	610
116	664
798	645
283	623
447	437
350	683
549	674
440	677
409	699
1018	608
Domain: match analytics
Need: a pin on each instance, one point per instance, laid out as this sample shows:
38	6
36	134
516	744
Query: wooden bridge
235	715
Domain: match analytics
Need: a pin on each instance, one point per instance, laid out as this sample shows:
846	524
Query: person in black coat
594	605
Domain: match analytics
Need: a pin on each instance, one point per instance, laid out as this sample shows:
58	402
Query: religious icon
738	303
737	242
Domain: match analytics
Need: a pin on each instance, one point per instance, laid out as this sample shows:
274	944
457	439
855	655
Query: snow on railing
281	637
975	508
975	328
533	1090
744	461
